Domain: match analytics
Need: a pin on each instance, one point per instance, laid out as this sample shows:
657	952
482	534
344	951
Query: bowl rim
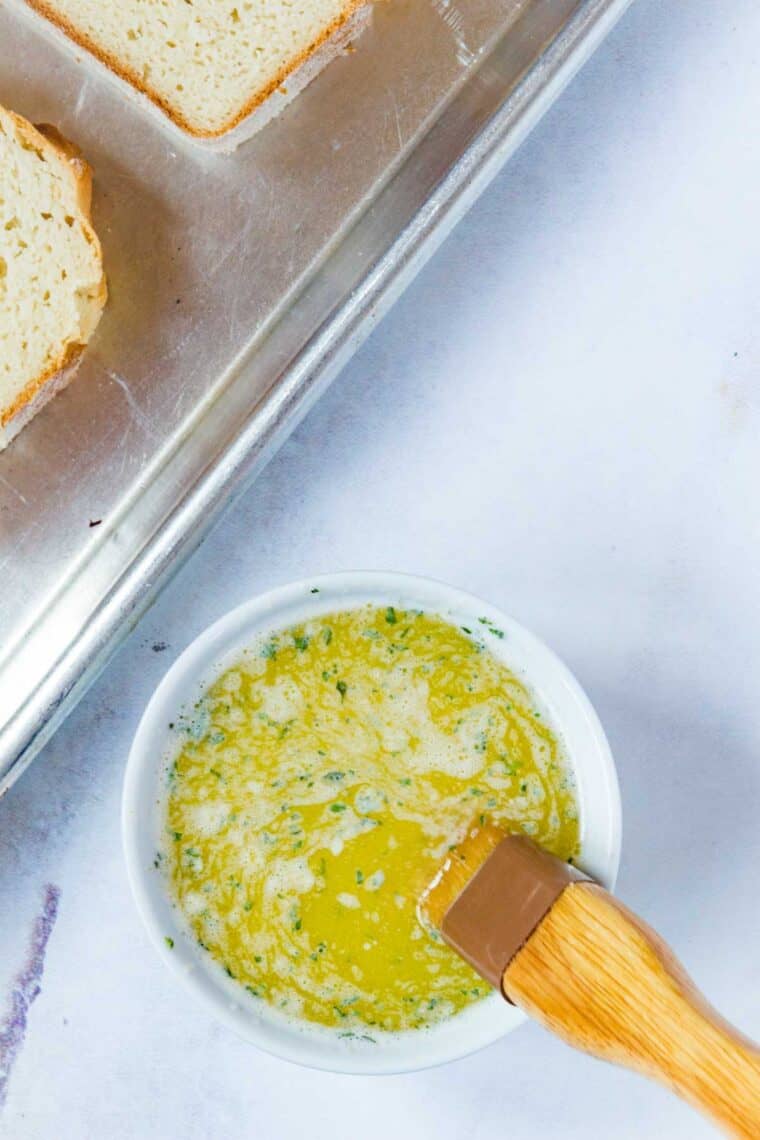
593	767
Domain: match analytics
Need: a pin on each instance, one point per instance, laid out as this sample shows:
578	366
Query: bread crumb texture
207	63
52	288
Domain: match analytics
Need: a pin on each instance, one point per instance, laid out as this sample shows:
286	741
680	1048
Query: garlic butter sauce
316	788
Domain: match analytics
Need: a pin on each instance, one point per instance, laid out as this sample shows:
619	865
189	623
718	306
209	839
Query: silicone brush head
459	867
490	895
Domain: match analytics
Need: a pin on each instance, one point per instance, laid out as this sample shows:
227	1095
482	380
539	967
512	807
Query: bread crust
127	73
46	138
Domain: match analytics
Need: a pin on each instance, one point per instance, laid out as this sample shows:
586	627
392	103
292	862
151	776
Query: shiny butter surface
317	788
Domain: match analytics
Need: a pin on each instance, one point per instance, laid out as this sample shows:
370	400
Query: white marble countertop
562	414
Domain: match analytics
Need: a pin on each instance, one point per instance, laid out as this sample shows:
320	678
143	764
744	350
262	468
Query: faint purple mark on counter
25	989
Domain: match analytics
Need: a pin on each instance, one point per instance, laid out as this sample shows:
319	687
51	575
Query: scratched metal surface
239	285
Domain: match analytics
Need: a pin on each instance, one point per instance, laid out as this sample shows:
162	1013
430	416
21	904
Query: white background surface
563	415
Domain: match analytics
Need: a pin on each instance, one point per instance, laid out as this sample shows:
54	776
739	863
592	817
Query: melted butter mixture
318	787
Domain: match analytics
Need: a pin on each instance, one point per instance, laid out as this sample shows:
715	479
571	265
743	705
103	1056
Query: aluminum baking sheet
239	285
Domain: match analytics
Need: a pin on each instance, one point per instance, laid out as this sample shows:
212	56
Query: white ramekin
558	693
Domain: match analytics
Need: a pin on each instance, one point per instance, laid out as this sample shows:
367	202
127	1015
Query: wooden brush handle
595	975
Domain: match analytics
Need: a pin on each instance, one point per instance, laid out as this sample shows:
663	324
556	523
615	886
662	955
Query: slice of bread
206	63
52	286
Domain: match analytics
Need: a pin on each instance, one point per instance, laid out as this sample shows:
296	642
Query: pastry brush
561	948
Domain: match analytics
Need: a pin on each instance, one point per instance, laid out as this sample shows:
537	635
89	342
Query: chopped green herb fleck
169	941
342	688
337	807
